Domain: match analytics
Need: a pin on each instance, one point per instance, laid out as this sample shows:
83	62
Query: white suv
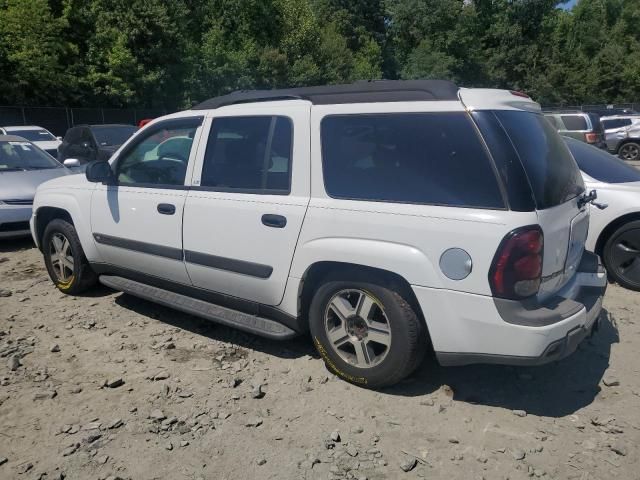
384	218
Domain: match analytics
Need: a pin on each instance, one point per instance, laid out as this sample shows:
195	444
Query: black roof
358	92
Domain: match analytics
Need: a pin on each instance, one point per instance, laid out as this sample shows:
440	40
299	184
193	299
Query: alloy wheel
357	328
625	256
61	257
630	152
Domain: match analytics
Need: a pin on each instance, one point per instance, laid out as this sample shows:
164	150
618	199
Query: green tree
32	54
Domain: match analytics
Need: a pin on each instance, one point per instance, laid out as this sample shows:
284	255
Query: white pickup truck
383	218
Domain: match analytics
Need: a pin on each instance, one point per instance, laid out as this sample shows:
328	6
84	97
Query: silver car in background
622	135
23	166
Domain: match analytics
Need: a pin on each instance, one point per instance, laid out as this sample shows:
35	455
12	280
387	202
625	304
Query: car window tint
601	165
159	157
552	172
574	122
249	154
424	158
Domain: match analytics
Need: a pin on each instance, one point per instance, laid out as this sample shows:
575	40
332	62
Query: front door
137	222
245	208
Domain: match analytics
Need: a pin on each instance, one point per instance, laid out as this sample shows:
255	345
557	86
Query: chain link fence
59	119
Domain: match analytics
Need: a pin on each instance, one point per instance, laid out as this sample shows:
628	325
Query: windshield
550	168
16	156
32	135
113	135
601	165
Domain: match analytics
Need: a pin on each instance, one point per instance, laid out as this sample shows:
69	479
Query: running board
225	316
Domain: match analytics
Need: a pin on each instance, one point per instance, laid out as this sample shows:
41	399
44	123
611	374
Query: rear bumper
14	220
467	328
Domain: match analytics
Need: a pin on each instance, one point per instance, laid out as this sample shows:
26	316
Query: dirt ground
109	386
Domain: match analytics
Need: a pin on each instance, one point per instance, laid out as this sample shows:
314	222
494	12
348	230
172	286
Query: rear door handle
276	221
166	208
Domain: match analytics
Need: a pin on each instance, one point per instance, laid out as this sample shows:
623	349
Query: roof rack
359	92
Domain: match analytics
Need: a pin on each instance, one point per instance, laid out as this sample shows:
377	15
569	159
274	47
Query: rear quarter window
553	174
422	158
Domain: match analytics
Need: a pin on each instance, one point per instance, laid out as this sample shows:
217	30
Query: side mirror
59	139
99	172
71	163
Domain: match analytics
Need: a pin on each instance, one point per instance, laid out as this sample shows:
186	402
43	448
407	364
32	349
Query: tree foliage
159	53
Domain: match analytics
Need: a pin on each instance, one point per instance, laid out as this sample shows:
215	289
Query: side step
225	316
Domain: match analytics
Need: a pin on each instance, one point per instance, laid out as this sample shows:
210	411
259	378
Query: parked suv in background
382	217
582	126
623	135
86	143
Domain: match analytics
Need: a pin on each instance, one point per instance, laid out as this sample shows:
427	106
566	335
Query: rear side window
423	158
249	154
574	122
552	172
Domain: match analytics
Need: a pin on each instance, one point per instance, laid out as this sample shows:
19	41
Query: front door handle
276	221
166	209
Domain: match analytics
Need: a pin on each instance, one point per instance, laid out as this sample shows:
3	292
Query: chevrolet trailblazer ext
382	217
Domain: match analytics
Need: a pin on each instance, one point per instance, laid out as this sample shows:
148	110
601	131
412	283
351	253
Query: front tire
64	258
621	255
366	333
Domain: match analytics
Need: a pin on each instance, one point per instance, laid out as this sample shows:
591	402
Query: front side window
159	157
249	154
422	158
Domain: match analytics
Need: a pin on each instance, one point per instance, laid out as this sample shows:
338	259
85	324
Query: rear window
574	122
601	165
113	135
552	172
423	158
34	135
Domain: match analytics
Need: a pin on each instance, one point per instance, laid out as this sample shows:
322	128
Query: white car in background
39	136
614	232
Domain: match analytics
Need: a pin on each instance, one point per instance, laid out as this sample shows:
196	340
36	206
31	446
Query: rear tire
367	334
64	258
630	152
621	255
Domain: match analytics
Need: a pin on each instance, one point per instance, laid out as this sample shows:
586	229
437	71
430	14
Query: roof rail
359	92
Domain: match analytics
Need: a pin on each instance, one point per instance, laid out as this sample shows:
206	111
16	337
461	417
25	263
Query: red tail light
516	271
591	137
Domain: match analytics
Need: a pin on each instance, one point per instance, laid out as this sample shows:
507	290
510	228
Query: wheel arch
316	273
44	216
611	227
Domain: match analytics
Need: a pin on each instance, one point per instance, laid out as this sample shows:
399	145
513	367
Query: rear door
556	184
249	197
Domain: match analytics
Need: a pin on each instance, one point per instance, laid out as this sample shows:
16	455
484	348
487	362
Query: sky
569	5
